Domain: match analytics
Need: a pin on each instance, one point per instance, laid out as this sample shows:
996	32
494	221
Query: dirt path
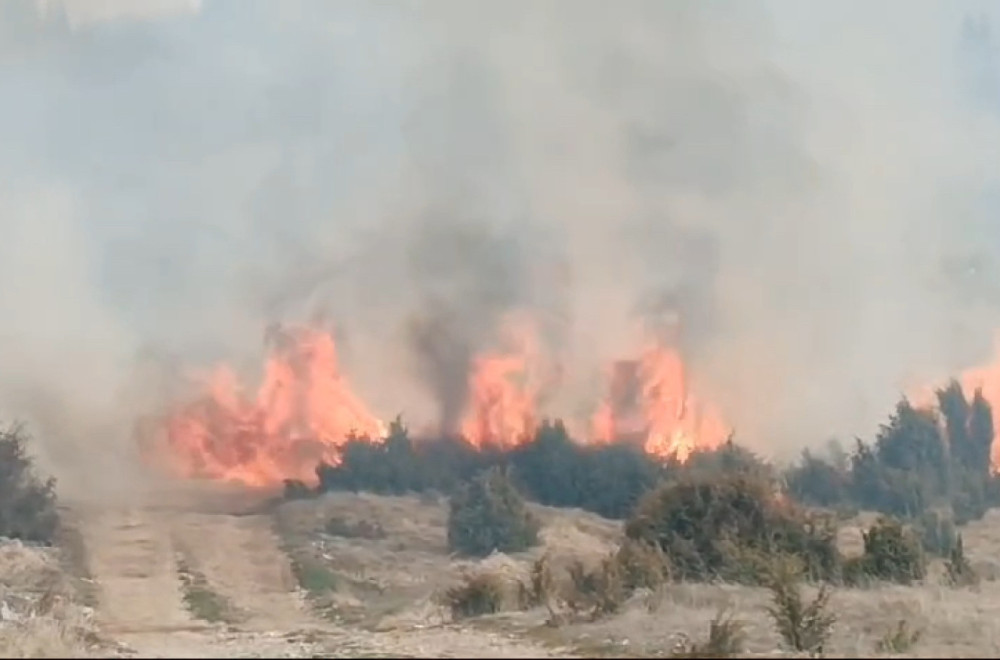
136	556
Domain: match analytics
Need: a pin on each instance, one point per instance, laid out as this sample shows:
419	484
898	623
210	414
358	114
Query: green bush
727	526
27	503
892	554
489	514
959	571
937	532
608	480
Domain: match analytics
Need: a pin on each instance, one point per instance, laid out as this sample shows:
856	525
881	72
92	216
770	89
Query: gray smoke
811	189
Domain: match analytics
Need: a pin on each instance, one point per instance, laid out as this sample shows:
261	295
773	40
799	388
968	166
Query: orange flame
649	399
987	379
504	388
304	412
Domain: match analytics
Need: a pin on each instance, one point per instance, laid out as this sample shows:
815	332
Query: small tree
27	503
892	553
489	514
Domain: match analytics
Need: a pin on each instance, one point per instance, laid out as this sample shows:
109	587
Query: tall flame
503	390
649	398
987	379
303	412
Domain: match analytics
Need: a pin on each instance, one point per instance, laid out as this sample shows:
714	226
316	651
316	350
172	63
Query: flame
304	412
504	388
649	398
986	379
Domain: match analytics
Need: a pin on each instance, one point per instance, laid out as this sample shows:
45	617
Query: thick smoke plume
809	189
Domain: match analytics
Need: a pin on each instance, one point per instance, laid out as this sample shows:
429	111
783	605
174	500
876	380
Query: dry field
362	575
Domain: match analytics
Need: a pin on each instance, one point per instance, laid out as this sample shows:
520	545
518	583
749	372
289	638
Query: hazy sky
807	182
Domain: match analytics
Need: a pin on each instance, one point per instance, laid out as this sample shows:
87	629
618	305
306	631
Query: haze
810	186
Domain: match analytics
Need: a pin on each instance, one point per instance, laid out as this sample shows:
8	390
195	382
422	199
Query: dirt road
139	555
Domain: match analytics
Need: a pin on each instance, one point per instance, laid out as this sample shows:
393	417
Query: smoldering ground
808	190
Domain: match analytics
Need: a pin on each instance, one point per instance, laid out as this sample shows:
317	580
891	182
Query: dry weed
803	626
899	639
726	638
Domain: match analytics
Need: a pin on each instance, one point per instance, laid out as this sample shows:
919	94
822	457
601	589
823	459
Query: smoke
810	190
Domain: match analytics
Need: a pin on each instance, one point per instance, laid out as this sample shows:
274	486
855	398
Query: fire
303	412
649	402
986	379
503	390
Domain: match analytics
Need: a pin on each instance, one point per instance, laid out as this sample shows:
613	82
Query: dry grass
41	616
397	580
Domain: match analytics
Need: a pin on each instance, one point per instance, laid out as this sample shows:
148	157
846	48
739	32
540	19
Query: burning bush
27	504
489	514
725	526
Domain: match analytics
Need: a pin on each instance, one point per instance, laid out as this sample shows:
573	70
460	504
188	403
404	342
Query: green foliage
804	626
959	571
817	482
489	514
605	479
937	532
725	526
892	554
397	465
550	469
730	458
920	460
27	503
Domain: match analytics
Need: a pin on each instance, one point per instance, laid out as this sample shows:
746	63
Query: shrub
605	479
803	626
478	594
27	503
959	571
819	483
596	592
729	458
297	490
361	529
726	638
892	553
900	639
937	532
643	565
725	527
488	514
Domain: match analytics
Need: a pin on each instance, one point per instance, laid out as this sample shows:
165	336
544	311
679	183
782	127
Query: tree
27	503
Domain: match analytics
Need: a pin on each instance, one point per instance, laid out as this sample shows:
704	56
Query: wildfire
303	412
503	390
649	402
987	379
